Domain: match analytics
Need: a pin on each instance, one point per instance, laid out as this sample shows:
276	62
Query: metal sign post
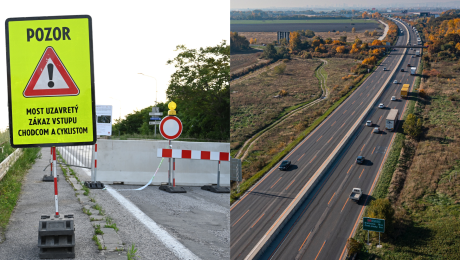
51	101
170	128
216	188
374	224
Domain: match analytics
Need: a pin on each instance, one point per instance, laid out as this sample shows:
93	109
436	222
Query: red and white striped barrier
193	154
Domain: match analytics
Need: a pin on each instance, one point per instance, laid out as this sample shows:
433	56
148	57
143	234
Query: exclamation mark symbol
50	74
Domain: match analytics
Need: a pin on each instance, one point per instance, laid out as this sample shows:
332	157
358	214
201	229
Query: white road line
169	241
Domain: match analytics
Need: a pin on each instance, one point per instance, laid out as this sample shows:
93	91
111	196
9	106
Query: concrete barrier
135	161
5	165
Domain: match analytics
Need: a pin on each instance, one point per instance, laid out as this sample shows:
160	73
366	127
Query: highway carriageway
258	210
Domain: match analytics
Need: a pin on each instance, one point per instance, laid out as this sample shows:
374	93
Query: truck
392	119
405	91
356	194
413	70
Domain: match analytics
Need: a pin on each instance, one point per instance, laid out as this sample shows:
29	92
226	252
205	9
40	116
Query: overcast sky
330	3
130	37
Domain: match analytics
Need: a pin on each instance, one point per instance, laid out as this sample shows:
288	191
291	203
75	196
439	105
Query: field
270	37
316	27
250	111
239	61
302	21
426	185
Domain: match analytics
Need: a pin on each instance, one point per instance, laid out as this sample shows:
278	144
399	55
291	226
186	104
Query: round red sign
170	127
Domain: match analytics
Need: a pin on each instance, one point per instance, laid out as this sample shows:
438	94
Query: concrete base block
215	189
172	189
49	178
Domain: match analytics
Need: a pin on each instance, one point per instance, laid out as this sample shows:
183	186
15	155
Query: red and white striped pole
51	173
53	149
93	177
174	168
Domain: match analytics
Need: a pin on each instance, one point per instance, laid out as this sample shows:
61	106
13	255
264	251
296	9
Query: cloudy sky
130	37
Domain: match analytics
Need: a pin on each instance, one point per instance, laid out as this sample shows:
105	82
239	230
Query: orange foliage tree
340	49
370	61
294	41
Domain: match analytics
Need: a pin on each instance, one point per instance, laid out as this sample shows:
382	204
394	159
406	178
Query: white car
368	123
393	98
376	130
395	82
381	105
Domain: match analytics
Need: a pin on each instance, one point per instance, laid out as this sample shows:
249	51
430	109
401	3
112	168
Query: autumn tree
316	42
251	41
376	42
294	41
340	49
366	33
343	39
353	30
365	14
370	61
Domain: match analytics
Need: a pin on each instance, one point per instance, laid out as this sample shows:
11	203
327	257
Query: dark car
402	70
285	165
360	160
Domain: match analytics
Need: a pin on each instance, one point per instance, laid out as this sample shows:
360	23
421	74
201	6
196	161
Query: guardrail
5	165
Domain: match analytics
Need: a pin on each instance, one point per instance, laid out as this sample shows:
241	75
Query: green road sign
374	224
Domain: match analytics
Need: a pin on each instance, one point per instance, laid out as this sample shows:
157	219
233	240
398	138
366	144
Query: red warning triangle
50	78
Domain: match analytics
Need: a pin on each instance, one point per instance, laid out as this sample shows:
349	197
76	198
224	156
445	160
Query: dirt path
251	141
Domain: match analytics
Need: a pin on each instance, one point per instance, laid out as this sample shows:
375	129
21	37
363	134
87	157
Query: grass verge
256	177
11	184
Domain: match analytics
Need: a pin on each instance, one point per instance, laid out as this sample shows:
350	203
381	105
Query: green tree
353	246
382	209
280	69
309	33
200	86
343	38
412	126
269	51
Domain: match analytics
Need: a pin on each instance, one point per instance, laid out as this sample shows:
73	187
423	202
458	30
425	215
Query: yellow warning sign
50	81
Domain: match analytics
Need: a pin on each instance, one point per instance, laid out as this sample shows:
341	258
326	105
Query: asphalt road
326	217
198	219
317	27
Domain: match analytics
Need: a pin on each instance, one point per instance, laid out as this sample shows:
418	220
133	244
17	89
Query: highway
320	227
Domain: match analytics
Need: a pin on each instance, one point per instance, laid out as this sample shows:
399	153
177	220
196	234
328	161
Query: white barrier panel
134	162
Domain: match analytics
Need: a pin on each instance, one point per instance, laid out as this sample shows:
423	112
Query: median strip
292	207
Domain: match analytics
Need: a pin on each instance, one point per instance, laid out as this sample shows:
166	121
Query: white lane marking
169	241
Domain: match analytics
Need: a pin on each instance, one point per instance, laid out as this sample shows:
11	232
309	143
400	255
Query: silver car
395	82
369	123
376	130
381	105
393	98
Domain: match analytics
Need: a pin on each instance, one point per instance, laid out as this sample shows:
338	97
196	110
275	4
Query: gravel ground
37	198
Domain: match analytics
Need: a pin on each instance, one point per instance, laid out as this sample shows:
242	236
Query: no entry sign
50	81
170	127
